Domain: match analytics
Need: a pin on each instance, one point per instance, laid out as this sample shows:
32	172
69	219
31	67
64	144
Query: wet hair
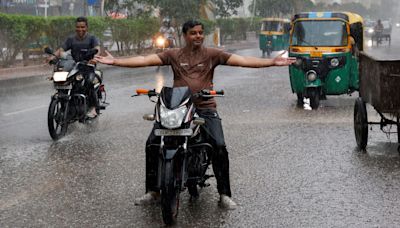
190	24
82	19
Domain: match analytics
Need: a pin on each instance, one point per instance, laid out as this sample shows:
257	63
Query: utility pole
46	5
102	8
85	8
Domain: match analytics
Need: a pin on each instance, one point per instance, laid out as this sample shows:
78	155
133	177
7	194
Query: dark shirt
195	70
78	47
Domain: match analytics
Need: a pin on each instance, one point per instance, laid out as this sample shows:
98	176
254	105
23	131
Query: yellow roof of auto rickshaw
275	19
347	16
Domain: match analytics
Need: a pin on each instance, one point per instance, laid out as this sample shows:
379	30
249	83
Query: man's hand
108	59
282	61
50	58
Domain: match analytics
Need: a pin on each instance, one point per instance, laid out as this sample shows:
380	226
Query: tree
271	8
226	8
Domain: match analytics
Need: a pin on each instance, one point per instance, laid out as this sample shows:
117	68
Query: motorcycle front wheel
56	119
169	195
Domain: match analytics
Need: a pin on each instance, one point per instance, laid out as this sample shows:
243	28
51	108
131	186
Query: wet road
289	167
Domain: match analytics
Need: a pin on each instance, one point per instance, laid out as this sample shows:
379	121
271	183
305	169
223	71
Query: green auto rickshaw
274	35
326	45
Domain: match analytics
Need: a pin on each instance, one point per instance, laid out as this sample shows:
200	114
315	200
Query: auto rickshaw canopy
354	20
275	26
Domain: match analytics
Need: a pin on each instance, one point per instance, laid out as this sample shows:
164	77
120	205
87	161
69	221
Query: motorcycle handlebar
213	92
205	93
150	93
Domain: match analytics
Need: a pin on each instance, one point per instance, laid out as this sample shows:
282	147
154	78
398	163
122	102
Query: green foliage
208	26
59	28
97	26
132	33
279	8
226	8
235	28
16	33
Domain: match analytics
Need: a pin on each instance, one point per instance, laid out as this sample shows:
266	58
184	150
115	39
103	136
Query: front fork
170	154
61	96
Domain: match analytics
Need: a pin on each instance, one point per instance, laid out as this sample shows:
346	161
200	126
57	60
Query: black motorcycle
69	103
184	153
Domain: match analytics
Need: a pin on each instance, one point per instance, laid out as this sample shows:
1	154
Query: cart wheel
361	123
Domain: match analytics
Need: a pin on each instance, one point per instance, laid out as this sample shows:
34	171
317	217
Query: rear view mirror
48	50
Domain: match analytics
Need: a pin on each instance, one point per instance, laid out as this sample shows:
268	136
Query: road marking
24	110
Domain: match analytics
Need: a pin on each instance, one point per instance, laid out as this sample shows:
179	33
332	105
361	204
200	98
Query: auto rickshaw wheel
269	52
313	94
300	100
360	124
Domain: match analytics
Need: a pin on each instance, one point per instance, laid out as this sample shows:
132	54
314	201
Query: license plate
315	54
168	132
63	86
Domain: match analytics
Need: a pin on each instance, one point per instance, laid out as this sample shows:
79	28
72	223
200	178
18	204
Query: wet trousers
219	157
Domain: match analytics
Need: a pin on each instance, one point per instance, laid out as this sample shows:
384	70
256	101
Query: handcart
379	87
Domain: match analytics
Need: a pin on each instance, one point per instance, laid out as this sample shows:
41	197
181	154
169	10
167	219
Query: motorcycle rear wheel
169	195
56	119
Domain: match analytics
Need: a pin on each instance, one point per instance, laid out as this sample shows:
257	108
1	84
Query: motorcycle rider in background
168	32
378	29
193	66
79	43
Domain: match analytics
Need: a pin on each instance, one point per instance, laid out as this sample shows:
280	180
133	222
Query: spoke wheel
169	195
360	124
56	119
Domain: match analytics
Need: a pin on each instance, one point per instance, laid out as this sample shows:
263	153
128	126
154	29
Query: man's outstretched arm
137	61
249	61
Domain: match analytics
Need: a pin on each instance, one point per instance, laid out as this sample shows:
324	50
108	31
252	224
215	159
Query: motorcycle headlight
334	62
311	76
371	30
160	41
172	118
60	76
79	77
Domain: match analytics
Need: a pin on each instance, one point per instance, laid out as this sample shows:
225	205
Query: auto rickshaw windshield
319	33
272	26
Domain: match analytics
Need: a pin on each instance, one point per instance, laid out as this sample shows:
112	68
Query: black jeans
91	92
220	160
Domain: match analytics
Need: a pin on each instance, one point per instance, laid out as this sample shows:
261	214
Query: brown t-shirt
195	69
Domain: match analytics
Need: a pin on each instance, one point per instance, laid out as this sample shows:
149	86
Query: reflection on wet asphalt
289	167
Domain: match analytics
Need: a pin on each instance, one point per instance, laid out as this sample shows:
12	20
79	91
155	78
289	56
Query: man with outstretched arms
193	66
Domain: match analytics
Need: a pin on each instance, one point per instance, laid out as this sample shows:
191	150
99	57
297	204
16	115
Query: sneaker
306	104
148	198
92	113
227	202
